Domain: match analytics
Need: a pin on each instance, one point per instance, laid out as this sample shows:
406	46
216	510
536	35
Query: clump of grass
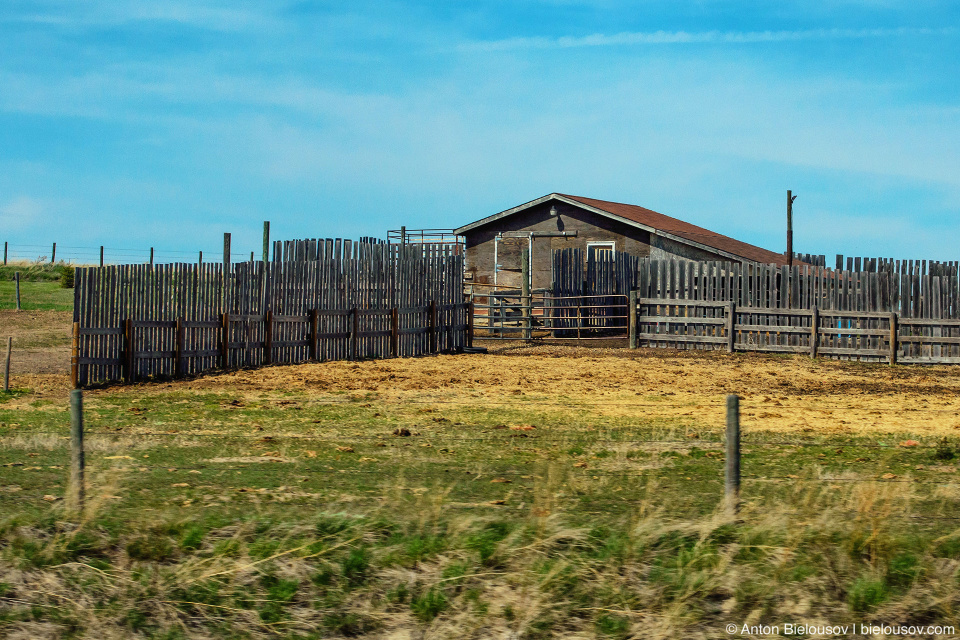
944	450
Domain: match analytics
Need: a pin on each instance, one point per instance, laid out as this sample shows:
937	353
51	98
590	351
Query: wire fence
92	255
425	454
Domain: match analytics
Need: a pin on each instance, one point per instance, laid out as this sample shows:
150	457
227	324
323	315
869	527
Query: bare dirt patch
41	340
789	393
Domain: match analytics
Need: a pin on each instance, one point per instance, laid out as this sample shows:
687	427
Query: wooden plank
99	331
847	331
928	360
929	339
679	303
772	328
928	322
155	324
642	319
854	351
668	337
772	348
113	362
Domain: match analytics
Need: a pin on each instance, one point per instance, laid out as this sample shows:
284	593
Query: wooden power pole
790	199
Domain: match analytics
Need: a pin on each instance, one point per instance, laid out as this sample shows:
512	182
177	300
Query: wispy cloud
122	12
694	37
21	212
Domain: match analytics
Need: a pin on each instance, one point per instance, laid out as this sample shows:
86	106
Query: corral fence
847	335
906	311
338	300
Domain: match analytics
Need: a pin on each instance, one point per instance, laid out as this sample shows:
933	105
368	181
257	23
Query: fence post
814	331
226	255
471	316
266	240
128	340
5	254
314	322
526	301
77	488
395	332
433	326
732	476
53	254
16	277
101	255
894	334
731	326
632	320
75	357
6	366
268	337
151	256
178	349
225	341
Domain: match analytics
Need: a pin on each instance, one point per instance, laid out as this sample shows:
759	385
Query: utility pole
790	199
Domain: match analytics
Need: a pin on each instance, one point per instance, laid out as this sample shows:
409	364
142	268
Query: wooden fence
912	289
349	301
846	335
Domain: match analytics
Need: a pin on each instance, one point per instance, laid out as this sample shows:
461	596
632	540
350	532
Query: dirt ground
779	393
41	340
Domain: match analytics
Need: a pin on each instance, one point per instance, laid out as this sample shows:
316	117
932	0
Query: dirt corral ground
779	393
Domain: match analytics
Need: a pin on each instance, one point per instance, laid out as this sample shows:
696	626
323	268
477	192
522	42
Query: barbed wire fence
726	446
104	255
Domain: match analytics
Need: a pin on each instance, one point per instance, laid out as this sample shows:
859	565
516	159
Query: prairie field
535	491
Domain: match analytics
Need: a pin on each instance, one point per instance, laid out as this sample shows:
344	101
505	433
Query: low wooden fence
846	335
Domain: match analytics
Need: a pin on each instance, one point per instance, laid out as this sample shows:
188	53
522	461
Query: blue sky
133	124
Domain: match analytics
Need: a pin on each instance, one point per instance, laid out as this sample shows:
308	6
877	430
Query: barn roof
649	220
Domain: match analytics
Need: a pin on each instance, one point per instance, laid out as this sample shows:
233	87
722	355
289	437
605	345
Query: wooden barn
495	245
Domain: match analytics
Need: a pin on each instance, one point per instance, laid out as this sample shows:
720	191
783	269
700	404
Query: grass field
531	493
35	296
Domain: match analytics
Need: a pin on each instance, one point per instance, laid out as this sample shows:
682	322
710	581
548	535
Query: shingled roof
651	221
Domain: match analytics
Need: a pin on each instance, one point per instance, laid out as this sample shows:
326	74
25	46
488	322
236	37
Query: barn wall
589	227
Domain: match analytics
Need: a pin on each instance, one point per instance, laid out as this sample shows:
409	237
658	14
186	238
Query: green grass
580	526
36	296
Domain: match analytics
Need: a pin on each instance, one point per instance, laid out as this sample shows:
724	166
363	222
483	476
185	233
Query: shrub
66	277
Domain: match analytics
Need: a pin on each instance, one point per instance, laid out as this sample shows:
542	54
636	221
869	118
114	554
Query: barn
495	245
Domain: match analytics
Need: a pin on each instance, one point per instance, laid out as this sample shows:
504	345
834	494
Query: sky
133	124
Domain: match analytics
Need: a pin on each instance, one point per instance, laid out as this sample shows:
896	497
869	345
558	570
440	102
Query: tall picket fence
912	289
330	300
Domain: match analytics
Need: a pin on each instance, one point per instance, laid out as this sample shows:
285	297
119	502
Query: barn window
595	249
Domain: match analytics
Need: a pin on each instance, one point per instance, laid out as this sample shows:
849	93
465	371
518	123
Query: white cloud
694	37
21	213
116	13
